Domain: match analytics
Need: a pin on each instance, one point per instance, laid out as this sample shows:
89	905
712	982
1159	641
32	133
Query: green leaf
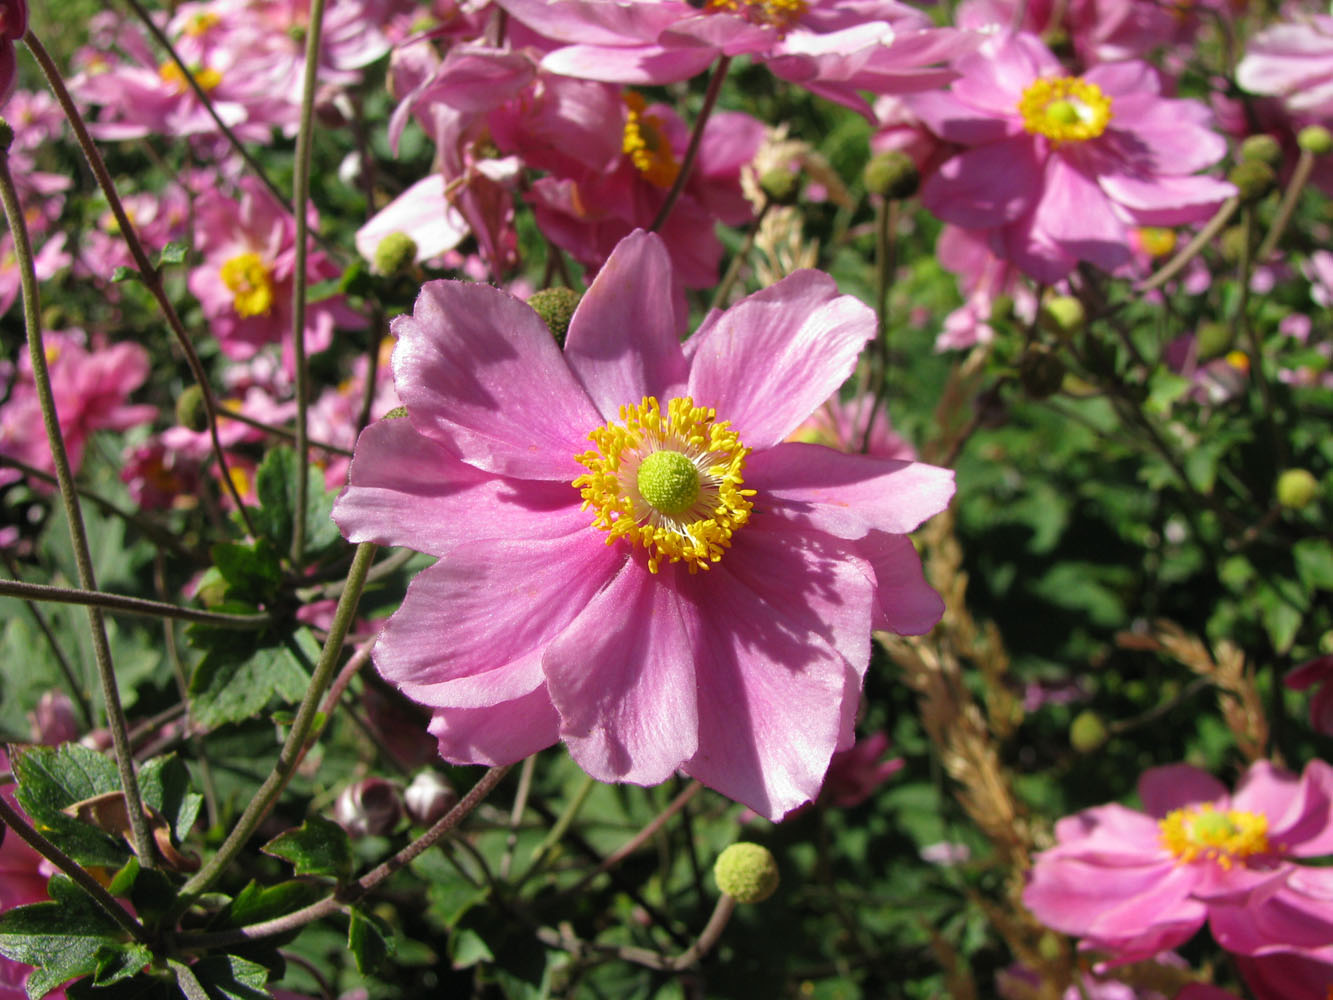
256	903
65	938
174	252
123	881
226	977
466	948
317	847
1163	390
1314	562
115	964
232	684
164	783
252	571
1281	619
125	274
51	778
275	485
369	940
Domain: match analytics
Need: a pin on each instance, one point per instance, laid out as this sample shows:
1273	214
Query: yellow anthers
646	144
251	284
1064	109
1156	241
207	77
1203	832
202	23
668	482
781	14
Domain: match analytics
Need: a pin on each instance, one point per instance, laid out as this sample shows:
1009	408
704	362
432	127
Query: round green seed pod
191	413
1263	148
1297	488
396	253
1063	315
1315	139
748	873
1253	179
1087	732
556	308
892	175
781	185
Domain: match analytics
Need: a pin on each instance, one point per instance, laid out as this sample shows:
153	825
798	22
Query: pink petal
1166	201
955	121
640	65
1165	789
467	623
769	361
632	291
622	677
598	22
987	186
1073	212
479	372
407	489
423	213
847	495
498	734
784	629
904	602
1288	918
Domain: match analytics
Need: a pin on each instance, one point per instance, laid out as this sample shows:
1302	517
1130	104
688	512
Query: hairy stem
129	605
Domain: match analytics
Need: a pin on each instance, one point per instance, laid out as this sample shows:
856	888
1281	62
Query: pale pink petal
994	78
1289	918
1073	212
633	290
497	734
1166	201
955	121
847	495
645	65
622	677
904	602
987	186
784	641
599	22
769	361
478	371
1174	786
407	489
422	212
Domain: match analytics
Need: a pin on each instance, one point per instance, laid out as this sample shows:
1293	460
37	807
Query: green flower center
669	481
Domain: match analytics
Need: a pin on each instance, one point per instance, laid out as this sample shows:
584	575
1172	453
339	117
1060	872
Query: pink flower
833	48
855	773
1316	673
1292	60
631	559
856	425
1136	883
1289	975
13	26
1062	167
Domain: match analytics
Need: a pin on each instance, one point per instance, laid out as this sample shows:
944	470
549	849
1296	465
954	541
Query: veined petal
497	734
904	602
479	372
769	361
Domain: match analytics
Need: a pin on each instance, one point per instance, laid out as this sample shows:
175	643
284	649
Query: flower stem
1191	250
886	221
558	829
294	747
147	272
129	605
72	681
1287	207
143	842
300	205
738	261
696	139
13	819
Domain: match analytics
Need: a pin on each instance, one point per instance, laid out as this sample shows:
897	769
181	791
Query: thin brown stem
129	605
1192	249
696	139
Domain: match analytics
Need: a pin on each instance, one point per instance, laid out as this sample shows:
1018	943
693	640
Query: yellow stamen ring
670	483
1203	832
251	284
646	144
1065	109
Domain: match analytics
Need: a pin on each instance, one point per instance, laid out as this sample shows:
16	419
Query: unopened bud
1063	315
1263	148
429	797
892	174
1087	732
1041	371
191	413
748	873
53	720
1315	139
1212	340
396	253
1232	243
370	807
781	185
556	308
1297	488
1253	179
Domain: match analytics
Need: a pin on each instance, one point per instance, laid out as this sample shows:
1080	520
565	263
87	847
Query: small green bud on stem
748	873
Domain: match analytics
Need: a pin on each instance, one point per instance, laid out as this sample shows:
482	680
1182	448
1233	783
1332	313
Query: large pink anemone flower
1136	883
632	558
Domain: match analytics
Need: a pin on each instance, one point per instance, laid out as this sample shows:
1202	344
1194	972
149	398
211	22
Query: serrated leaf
123	881
174	252
466	948
256	903
317	847
450	900
165	785
1281	620
226	977
53	778
125	274
115	964
62	939
275	486
253	571
232	684
369	940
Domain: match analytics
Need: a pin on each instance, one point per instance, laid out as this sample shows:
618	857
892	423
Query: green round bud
191	413
1263	148
1315	139
396	253
1212	339
748	873
1087	732
1232	243
1297	488
669	481
556	308
1063	315
1253	179
893	175
6	135
781	185
1041	371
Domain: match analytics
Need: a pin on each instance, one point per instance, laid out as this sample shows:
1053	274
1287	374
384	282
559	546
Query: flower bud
781	185
395	254
556	308
1297	488
53	720
748	873
1263	148
1063	315
370	807
1087	732
191	413
429	797
892	174
1253	179
1315	139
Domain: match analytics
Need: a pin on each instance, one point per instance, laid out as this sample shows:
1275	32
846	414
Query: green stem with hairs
129	605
